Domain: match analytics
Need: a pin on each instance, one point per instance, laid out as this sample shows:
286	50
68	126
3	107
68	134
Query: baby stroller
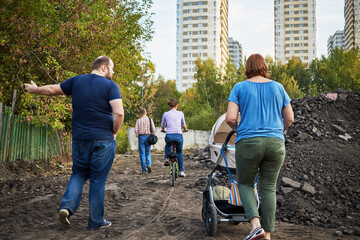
222	147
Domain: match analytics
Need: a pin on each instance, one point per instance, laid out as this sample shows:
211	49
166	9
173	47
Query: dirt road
139	206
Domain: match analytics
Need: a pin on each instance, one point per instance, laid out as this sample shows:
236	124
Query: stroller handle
224	146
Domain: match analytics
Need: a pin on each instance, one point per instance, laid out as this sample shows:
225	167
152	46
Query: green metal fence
21	140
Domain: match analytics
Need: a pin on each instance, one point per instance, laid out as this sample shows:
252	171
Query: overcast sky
251	22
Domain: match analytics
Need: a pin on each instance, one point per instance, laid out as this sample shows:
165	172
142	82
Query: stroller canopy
218	135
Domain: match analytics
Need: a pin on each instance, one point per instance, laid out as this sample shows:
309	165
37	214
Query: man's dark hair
99	61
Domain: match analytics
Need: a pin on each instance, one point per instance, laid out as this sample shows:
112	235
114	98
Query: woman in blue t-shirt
266	113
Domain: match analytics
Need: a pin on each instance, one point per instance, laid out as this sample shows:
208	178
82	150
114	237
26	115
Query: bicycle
173	166
173	161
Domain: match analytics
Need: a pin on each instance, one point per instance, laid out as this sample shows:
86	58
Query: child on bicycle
171	123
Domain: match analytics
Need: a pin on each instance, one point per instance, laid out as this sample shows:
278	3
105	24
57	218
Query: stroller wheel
211	220
203	210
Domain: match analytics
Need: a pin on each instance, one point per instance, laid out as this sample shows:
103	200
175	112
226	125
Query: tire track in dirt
135	234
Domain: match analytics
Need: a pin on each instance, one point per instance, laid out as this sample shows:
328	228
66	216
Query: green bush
204	120
122	143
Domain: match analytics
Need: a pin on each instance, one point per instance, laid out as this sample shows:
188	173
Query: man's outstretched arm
48	90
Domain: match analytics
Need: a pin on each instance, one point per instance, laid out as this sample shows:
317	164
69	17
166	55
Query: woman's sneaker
257	234
166	162
182	174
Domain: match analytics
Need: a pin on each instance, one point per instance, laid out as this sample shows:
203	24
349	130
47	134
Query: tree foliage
49	41
166	90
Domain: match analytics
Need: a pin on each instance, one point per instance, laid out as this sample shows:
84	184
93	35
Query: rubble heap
326	116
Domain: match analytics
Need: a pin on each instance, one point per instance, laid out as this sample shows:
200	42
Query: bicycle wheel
173	174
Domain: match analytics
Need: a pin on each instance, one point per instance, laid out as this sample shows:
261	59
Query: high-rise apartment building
235	52
336	40
352	22
295	30
202	32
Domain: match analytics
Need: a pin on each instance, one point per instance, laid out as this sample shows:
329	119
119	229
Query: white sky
251	22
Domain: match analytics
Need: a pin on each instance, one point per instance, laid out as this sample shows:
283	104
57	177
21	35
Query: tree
339	70
49	41
291	86
166	90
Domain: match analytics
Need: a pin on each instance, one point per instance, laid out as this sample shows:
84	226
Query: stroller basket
225	207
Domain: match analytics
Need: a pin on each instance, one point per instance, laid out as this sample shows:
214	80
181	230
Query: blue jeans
179	139
91	160
144	152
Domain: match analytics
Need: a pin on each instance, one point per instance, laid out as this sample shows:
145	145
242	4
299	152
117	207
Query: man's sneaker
182	174
149	169
103	225
256	234
166	162
64	216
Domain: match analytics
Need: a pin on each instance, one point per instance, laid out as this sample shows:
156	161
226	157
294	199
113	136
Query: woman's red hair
256	66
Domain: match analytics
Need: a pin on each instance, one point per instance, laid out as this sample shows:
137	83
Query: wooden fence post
10	127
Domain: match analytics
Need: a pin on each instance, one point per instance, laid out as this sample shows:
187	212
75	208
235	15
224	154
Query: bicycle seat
172	155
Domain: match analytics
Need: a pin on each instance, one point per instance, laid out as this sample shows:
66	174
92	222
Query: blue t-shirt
92	117
260	106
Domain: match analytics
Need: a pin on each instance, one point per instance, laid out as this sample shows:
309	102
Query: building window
291	12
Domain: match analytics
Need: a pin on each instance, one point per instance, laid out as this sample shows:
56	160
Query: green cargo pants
266	156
